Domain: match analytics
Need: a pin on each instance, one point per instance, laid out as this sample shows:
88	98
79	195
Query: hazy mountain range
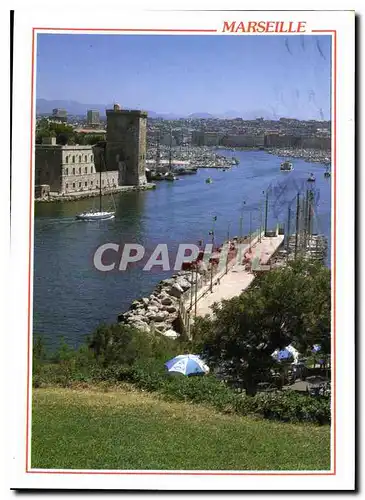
77	108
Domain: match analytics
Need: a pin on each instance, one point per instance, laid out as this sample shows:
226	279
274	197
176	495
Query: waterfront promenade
237	279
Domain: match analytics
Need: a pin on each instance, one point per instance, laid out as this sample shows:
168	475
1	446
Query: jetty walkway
238	277
235	280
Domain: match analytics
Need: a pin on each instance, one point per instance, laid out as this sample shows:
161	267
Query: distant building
167	140
93	117
200	138
60	115
243	141
276	140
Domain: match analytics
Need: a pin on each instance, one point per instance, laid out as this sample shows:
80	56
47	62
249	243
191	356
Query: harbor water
71	298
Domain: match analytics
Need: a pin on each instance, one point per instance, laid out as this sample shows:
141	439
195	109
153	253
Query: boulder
141	325
136	318
167	301
175	290
145	301
170	333
154	309
157	317
183	283
155	303
168	282
170	309
162	327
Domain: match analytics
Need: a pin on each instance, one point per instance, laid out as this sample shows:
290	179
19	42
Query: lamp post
241	219
288	234
250	226
297	227
228	246
211	260
266	210
196	288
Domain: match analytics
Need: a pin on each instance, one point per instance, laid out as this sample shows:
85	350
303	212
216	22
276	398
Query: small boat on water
169	176
93	215
209	180
327	173
286	166
311	178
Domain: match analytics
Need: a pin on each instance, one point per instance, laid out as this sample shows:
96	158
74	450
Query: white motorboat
311	178
169	176
286	166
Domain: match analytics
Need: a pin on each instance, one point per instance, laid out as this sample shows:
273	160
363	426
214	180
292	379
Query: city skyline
269	76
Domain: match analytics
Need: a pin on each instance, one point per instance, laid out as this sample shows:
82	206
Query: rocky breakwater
160	311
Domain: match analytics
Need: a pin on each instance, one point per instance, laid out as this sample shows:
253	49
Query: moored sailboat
100	214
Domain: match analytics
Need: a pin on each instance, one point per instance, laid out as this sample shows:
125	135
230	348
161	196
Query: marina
308	155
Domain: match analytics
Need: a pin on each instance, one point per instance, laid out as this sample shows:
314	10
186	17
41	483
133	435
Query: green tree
124	345
63	132
286	305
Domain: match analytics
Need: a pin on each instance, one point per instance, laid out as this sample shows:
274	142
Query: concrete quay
238	278
78	195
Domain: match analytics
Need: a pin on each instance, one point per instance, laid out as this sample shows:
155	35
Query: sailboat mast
102	155
170	154
158	154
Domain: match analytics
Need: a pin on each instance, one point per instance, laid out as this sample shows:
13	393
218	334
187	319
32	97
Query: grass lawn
125	429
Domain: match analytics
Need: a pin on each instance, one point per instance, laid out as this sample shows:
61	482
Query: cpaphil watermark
113	257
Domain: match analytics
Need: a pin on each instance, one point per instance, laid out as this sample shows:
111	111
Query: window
103	182
80	170
79	184
66	159
80	159
91	182
66	185
91	169
73	171
73	185
85	157
66	171
85	183
85	170
73	159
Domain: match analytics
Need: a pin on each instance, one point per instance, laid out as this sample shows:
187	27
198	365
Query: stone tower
126	144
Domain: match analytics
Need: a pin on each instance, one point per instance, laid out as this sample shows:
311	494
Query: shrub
145	370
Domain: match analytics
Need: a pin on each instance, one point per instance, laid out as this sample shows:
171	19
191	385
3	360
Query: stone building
68	169
126	144
120	161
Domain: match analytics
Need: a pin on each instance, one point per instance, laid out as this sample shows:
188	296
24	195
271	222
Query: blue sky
255	75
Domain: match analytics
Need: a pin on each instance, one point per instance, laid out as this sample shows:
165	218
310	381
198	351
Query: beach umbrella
187	364
286	354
